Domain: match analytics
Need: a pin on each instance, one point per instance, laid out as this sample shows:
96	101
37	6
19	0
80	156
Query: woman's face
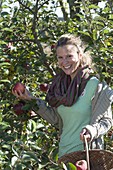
68	59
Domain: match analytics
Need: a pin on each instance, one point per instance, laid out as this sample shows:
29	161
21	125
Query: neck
75	73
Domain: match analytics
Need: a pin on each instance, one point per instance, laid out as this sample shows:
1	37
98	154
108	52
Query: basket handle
87	152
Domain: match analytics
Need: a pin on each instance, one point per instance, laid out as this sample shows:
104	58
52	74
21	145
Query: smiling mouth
67	67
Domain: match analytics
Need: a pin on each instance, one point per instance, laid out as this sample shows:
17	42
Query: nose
65	61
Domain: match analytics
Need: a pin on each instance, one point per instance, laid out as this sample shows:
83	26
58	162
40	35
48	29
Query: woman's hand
23	96
85	133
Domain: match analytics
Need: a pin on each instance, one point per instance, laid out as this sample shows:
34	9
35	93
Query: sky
58	10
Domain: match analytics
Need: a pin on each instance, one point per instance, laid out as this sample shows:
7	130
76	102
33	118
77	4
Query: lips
67	67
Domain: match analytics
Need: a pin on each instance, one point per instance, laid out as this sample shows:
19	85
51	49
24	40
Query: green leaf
14	160
4	13
64	166
40	125
3	42
72	166
30	155
92	6
7	29
85	33
95	34
106	31
4	125
111	16
0	117
31	125
5	146
15	152
4	64
18	167
5	81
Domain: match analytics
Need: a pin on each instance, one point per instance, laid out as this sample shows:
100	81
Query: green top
75	118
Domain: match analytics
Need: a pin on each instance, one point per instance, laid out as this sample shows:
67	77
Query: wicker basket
98	159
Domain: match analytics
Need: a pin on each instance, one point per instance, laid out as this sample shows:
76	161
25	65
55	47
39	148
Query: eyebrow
65	56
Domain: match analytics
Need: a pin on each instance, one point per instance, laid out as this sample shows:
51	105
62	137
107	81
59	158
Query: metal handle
87	153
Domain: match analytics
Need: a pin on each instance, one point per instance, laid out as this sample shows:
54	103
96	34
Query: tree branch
18	40
65	14
25	6
43	55
42	4
35	40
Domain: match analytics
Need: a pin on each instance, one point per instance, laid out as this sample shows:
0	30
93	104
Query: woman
77	102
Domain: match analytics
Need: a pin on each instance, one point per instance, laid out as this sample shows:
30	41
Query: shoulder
94	80
106	90
103	95
91	87
92	83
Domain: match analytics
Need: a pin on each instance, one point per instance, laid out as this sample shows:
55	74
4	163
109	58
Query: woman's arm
101	119
100	127
46	112
40	107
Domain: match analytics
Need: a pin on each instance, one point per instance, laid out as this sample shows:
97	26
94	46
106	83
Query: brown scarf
65	92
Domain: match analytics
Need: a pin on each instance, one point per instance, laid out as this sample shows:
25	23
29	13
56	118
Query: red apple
18	108
53	46
81	165
19	87
7	60
44	87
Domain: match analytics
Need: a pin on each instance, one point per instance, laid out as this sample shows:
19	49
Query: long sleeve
101	119
48	113
101	126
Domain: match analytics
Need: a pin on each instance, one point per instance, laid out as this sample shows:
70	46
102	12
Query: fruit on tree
81	165
7	60
18	108
44	87
53	46
19	87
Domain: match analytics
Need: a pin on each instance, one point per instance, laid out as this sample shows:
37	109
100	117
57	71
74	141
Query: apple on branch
18	108
44	87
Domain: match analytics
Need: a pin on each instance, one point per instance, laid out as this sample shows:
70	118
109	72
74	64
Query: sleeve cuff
92	130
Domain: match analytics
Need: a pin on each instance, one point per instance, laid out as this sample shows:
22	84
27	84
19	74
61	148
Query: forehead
66	49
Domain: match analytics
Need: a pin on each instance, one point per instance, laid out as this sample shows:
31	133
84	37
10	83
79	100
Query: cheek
76	60
59	63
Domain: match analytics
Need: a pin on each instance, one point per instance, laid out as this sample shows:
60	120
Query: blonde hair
70	39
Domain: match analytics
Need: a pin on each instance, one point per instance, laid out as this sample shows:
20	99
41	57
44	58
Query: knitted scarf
65	92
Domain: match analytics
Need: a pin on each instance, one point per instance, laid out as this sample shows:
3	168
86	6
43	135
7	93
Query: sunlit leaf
30	155
18	166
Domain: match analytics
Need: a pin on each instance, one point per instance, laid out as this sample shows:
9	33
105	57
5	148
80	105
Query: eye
59	57
70	56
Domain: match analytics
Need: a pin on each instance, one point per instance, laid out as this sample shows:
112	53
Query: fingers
86	134
19	94
23	96
15	93
88	137
82	134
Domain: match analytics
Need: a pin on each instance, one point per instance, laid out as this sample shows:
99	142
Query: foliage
28	31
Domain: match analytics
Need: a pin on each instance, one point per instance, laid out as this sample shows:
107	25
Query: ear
80	55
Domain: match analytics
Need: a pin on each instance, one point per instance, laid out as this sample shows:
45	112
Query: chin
67	73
